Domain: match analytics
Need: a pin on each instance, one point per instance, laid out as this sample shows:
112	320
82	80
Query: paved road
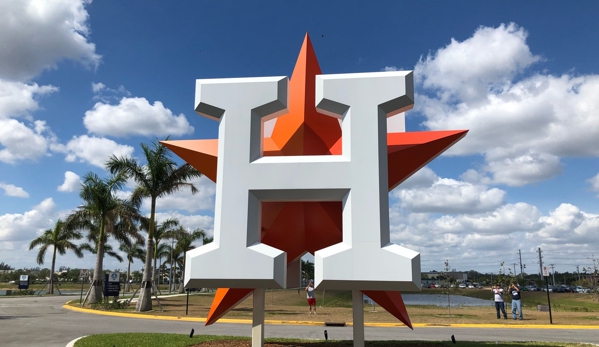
41	321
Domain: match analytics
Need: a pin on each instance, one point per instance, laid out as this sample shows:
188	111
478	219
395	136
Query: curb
377	325
72	343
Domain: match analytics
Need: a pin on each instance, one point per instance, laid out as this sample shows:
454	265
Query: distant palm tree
132	251
104	215
174	258
168	229
159	177
207	240
184	244
60	240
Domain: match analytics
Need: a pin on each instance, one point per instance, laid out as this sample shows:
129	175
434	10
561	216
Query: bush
107	306
22	292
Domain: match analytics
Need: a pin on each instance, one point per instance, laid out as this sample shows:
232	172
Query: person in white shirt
311	297
499	304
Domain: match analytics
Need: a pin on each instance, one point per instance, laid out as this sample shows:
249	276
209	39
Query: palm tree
184	244
60	240
159	177
165	230
108	250
132	251
103	214
174	258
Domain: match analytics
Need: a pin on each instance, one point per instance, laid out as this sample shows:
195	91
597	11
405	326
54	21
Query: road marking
380	325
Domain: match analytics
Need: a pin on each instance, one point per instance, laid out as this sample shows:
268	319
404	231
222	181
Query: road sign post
546	275
82	274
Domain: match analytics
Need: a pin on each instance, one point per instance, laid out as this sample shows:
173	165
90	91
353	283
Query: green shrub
107	306
22	292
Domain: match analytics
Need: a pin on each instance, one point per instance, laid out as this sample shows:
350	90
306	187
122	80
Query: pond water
441	300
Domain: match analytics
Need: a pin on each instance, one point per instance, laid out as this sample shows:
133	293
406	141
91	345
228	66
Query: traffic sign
545	271
83	273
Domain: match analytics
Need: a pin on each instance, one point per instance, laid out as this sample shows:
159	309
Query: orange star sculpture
306	227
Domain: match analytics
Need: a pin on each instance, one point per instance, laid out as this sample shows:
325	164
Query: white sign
545	271
24	278
83	272
114	277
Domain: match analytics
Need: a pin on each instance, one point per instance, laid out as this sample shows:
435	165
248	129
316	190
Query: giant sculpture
318	184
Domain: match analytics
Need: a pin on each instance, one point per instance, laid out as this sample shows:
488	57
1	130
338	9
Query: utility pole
578	270
546	285
552	273
514	264
520	255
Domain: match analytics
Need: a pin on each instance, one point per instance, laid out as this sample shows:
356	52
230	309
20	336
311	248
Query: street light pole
170	279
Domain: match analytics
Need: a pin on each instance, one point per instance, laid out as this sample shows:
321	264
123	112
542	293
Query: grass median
335	306
177	340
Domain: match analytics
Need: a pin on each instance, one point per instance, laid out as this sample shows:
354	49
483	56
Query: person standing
499	304
311	297
516	302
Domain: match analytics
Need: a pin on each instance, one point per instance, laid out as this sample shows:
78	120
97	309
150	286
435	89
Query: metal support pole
187	303
358	315
81	296
170	278
258	318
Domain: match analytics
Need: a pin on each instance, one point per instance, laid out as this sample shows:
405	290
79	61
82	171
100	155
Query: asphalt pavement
42	321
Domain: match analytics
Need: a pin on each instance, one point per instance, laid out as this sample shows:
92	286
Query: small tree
448	285
592	276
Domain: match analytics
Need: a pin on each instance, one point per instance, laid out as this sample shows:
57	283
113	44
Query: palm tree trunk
51	283
95	294
144	303
154	273
181	283
127	283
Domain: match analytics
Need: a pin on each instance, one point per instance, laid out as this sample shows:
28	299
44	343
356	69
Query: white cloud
522	127
98	87
466	69
568	224
94	150
184	200
135	116
12	190
426	192
594	181
21	142
192	222
26	226
35	35
72	182
422	178
19	99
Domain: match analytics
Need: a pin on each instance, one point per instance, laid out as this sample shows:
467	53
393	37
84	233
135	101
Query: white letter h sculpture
365	259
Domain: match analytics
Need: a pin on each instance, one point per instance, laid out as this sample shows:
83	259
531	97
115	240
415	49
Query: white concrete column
358	324
258	318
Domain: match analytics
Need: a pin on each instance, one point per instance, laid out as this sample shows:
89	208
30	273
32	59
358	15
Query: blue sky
81	80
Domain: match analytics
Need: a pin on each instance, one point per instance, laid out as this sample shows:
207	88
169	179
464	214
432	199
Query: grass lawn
335	306
176	340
